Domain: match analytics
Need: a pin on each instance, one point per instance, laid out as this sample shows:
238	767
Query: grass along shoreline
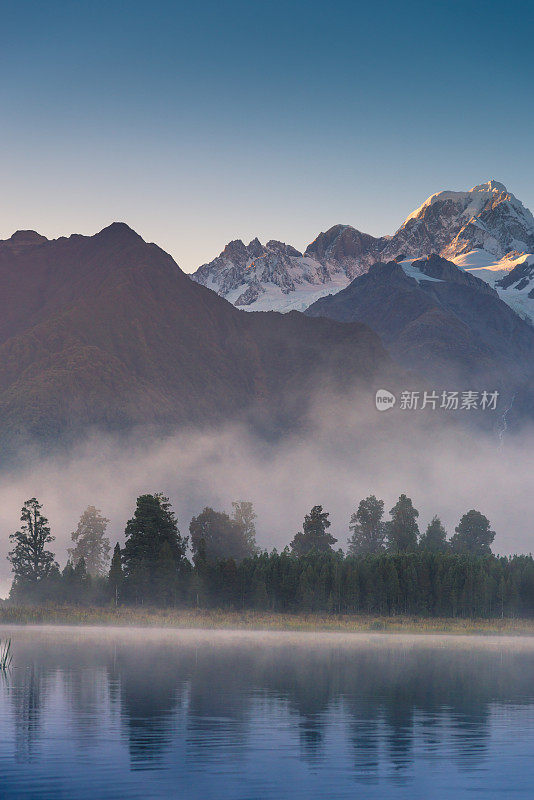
258	620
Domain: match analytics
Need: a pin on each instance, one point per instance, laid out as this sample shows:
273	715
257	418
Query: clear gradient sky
201	122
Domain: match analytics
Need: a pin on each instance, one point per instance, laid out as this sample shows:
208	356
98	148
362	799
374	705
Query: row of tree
372	535
389	567
145	570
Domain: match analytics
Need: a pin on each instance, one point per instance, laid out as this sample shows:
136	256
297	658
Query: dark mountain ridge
438	320
107	331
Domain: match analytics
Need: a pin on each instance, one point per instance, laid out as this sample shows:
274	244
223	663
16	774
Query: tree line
389	567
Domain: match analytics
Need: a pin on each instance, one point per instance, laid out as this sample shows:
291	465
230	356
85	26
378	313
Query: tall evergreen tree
151	535
75	583
116	577
245	515
314	536
434	539
91	542
67	576
214	535
473	535
402	530
30	560
166	584
200	578
82	582
368	528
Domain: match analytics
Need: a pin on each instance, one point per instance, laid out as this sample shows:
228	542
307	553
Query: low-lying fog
341	459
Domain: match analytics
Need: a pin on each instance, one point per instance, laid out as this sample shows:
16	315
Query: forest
389	567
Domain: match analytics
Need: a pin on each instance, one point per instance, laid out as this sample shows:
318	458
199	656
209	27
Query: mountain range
106	331
486	231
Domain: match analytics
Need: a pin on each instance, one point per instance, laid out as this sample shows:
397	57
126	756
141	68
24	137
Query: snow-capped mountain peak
486	229
278	276
490	186
452	223
468	203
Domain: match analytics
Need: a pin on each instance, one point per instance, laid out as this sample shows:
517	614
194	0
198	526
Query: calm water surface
88	713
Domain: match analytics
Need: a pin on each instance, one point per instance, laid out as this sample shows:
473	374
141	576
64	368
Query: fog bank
342	458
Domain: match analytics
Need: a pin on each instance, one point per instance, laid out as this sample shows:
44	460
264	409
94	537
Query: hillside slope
107	331
438	320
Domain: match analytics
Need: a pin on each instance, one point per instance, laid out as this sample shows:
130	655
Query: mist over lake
110	713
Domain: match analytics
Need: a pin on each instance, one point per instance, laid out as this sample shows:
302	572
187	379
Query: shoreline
260	621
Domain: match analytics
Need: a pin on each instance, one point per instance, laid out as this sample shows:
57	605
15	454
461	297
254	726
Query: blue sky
197	123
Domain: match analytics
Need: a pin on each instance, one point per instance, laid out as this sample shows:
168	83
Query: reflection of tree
412	696
365	744
149	694
87	692
311	738
192	705
471	731
396	695
211	687
386	694
26	692
309	685
220	702
399	722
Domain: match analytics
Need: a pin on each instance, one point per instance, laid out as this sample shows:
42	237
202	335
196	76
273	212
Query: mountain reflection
184	703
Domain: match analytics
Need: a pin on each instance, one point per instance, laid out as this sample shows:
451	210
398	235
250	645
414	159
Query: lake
146	713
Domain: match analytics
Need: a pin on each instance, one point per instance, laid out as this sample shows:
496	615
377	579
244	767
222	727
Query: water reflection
151	691
193	704
27	702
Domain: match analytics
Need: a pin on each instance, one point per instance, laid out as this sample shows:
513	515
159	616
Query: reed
5	655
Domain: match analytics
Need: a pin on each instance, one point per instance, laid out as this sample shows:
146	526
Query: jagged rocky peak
329	241
478	229
280	276
240	254
255	247
236	251
467	203
487	217
346	248
281	247
240	271
490	186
